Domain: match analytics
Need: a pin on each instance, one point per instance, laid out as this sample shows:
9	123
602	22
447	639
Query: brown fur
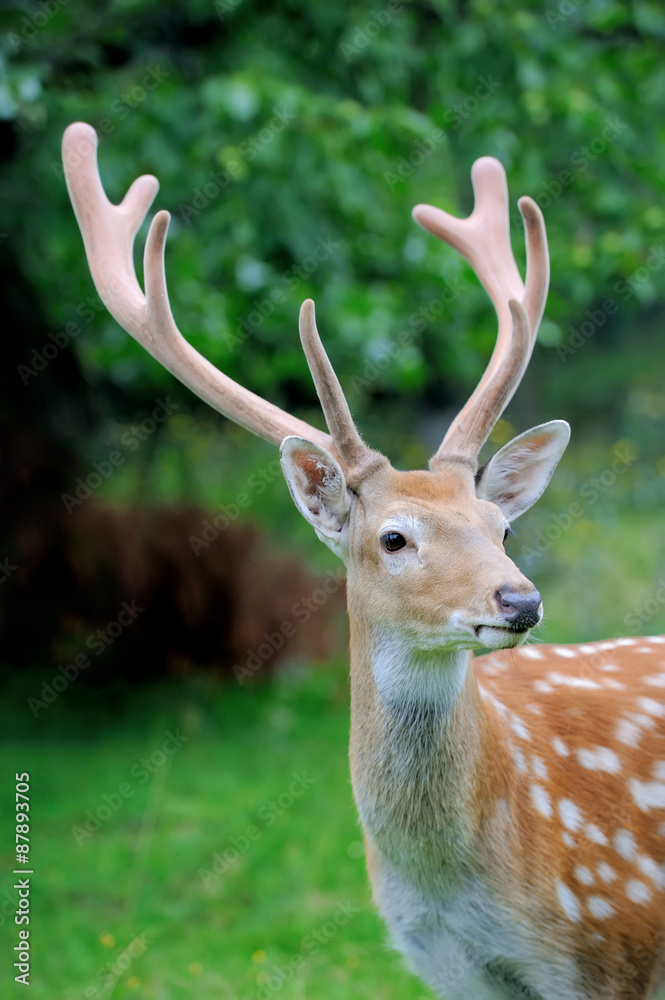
438	782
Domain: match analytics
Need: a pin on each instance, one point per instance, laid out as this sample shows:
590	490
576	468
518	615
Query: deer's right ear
318	487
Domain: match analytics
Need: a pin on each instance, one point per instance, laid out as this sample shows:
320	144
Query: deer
512	803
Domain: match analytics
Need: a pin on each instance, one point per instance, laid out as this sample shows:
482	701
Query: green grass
139	873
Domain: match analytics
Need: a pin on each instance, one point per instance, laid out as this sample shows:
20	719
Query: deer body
507	860
503	799
514	805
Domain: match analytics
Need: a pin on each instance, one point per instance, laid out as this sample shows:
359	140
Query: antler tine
484	239
470	430
108	235
108	230
537	264
352	449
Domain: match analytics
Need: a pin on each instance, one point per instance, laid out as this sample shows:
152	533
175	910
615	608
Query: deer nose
521	611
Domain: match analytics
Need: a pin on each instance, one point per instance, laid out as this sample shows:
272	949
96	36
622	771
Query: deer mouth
512	629
500	636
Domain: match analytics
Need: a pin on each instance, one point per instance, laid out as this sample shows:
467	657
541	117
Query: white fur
450	937
405	676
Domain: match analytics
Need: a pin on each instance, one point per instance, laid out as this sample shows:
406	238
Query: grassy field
136	909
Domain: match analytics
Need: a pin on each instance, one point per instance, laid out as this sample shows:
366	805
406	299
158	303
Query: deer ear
318	487
516	476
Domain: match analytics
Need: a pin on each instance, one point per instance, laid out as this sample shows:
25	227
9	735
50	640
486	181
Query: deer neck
430	761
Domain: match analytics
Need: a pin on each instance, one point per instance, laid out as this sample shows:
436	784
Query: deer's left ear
318	487
516	476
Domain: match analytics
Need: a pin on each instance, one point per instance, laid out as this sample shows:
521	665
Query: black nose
521	611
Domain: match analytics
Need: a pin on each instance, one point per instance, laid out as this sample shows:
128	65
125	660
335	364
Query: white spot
651	869
575	682
571	816
651	707
613	685
624	844
499	705
541	800
586	649
536	709
627	732
531	652
560	747
568	840
599	907
625	642
595	834
654	638
599	759
659	770
656	680
638	891
539	769
564	651
647	794
519	728
520	760
605	645
542	687
569	902
606	872
610	668
598	938
645	721
643	649
584	875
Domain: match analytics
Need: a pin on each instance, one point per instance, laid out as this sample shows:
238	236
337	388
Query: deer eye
392	541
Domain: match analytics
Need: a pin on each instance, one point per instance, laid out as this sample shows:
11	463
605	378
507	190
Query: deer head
424	549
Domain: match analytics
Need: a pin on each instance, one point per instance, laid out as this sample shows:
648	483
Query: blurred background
194	829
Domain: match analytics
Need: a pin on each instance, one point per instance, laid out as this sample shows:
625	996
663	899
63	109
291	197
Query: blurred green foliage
294	125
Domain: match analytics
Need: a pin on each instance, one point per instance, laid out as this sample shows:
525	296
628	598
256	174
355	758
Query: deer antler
484	239
108	234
